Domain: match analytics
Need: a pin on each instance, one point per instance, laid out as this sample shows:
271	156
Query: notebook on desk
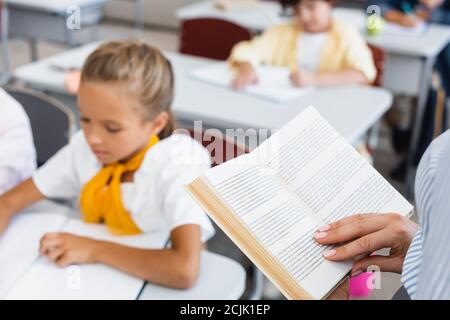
398	30
274	84
19	245
40	278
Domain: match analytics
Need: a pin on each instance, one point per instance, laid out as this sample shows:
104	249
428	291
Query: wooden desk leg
427	71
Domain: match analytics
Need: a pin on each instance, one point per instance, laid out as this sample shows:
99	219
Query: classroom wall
156	12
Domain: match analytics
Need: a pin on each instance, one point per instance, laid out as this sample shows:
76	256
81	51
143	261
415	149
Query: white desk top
230	286
58	6
257	17
267	14
352	110
210	268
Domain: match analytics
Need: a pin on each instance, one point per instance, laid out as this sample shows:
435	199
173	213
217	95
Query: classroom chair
52	122
210	37
224	150
4	25
379	58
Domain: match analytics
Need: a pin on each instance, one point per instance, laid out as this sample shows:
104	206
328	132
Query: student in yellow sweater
319	50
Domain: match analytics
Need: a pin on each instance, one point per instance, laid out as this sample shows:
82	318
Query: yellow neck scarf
101	199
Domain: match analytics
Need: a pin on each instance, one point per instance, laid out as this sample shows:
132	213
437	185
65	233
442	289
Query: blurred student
127	169
17	153
410	13
319	50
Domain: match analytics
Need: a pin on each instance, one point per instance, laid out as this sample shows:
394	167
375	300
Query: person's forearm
346	77
20	197
160	266
8	179
241	66
394	16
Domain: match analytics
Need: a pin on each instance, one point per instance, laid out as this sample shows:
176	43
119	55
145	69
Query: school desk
352	110
44	19
37	19
230	286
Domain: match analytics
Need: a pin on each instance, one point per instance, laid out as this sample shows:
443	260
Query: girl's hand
366	233
431	4
72	81
246	75
303	78
5	217
65	249
4	221
409	20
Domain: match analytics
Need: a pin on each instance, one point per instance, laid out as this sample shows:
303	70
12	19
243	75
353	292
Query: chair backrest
52	122
379	58
210	37
221	149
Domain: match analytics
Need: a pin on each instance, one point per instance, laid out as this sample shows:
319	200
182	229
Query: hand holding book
364	234
270	203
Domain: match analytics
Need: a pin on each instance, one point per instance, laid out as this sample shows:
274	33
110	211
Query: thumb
385	264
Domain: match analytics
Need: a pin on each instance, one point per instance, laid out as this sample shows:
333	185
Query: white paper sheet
274	84
398	30
19	245
45	280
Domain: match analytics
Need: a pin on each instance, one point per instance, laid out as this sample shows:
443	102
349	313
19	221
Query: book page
284	225
326	172
45	280
273	85
331	178
19	245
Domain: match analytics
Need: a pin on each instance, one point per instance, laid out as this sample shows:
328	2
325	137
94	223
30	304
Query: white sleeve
17	156
58	178
187	162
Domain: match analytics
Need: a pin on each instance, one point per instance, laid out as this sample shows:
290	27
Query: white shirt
156	199
17	153
309	47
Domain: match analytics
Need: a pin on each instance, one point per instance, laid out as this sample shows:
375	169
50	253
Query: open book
272	200
274	84
26	275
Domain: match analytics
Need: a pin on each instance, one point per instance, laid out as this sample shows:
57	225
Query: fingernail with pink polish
356	273
329	253
324	228
320	235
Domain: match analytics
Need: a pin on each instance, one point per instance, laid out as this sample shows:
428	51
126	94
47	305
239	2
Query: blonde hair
143	68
